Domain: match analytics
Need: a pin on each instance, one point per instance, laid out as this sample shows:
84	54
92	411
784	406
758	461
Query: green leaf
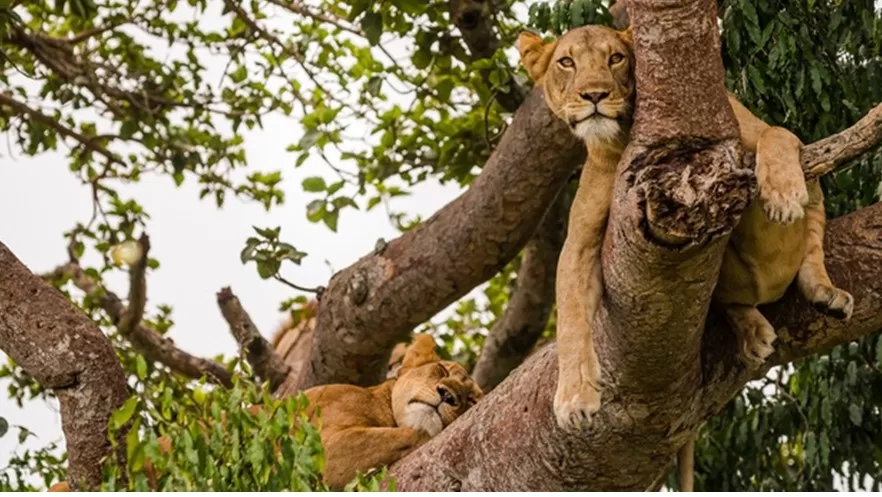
267	268
314	184
315	210
855	415
141	367
309	139
122	415
330	219
373	86
4	426
372	25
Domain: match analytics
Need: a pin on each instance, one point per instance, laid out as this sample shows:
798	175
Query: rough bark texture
373	304
64	350
630	444
514	335
666	368
268	366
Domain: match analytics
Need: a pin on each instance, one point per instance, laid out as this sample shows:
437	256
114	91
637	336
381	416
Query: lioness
363	428
588	79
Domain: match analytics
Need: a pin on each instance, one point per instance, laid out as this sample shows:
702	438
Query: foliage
217	444
387	95
814	68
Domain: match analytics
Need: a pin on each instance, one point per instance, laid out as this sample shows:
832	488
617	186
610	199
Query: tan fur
779	238
780	235
363	428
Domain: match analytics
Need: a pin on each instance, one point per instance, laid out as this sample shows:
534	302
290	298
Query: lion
369	427
587	76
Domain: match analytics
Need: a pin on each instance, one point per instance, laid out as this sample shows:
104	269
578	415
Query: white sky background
197	244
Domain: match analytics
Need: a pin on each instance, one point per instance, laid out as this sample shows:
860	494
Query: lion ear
627	36
420	352
535	54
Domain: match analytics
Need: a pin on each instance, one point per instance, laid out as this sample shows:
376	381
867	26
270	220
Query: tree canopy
390	95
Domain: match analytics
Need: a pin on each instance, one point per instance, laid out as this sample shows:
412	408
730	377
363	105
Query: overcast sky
197	244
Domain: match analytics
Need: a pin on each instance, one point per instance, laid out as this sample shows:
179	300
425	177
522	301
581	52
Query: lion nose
594	96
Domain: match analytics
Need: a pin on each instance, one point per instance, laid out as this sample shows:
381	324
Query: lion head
588	78
430	393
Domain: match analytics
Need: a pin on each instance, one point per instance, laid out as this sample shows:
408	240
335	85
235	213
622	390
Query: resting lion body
368	427
588	81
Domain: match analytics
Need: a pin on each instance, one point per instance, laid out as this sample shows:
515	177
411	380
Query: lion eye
616	58
566	62
446	396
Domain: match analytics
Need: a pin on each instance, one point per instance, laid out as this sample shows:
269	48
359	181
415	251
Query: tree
671	360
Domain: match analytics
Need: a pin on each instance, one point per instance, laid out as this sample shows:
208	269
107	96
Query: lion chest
762	259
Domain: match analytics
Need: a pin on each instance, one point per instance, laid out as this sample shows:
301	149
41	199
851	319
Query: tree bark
514	335
681	188
373	304
63	350
629	445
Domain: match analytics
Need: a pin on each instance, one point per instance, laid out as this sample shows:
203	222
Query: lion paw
755	339
785	205
833	301
575	404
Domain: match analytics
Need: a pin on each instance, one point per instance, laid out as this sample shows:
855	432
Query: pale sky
197	244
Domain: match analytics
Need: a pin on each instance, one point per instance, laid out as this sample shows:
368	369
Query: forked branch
128	320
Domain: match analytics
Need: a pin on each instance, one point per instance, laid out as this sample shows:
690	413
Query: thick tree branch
514	335
488	448
149	343
63	350
825	155
680	191
376	302
267	365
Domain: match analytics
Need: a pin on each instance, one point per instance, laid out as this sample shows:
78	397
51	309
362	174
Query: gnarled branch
258	352
64	350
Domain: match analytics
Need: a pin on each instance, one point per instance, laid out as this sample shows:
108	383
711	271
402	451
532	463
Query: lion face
588	78
430	393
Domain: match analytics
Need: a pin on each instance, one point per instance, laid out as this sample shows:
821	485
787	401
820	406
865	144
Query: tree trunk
60	347
509	441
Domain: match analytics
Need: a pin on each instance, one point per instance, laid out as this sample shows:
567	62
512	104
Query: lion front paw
575	404
784	205
833	301
755	339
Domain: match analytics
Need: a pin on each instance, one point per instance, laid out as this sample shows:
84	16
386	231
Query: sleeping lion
364	428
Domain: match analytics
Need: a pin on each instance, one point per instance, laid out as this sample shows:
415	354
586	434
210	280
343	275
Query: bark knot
690	191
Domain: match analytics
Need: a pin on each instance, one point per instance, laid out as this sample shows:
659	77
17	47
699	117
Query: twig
258	351
317	290
88	142
145	340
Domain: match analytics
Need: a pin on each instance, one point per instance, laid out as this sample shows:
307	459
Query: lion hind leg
362	448
813	281
779	175
754	333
